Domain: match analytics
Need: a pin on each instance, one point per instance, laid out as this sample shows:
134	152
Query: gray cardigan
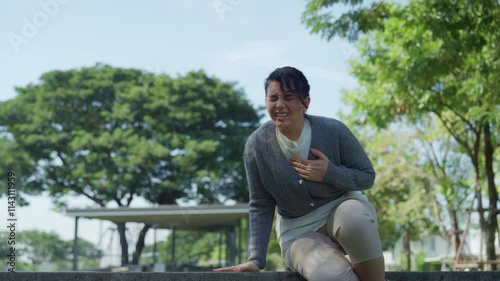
273	182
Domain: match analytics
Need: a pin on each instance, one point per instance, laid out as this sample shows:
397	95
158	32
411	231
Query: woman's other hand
244	267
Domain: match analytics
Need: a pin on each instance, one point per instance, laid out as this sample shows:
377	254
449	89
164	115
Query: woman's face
285	109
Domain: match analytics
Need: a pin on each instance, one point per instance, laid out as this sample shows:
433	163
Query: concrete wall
209	276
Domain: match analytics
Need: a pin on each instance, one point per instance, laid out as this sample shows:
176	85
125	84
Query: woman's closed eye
287	97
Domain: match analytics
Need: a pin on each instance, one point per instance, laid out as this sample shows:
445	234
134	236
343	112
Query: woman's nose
280	103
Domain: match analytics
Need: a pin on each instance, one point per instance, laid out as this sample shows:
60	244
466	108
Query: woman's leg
354	225
373	269
318	258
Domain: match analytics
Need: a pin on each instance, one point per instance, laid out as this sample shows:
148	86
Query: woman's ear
307	100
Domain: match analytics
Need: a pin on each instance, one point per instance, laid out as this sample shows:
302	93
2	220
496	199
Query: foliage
35	249
275	262
452	173
402	190
420	260
112	134
404	261
15	160
359	19
429	59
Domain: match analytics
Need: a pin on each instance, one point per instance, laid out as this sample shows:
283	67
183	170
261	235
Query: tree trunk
407	250
492	221
455	231
139	245
123	243
474	156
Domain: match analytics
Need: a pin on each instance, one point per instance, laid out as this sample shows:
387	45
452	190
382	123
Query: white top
289	229
299	148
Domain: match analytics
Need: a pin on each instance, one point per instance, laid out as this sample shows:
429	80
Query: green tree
358	20
425	154
113	134
429	57
451	172
403	190
24	178
34	248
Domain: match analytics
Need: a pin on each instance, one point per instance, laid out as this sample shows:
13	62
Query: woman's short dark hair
290	79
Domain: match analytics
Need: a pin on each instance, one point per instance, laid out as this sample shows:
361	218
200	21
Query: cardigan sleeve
262	209
355	171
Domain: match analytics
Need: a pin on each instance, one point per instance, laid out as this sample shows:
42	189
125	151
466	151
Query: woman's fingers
224	269
313	170
244	267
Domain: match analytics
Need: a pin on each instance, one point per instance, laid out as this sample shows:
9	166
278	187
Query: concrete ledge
210	276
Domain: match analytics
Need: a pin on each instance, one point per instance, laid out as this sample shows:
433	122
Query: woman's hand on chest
311	170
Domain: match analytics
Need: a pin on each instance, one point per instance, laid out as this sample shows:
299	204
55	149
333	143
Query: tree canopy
428	59
113	134
36	249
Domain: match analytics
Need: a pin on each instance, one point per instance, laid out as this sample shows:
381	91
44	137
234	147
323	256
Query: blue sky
234	40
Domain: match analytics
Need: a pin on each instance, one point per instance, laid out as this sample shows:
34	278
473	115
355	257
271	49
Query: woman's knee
336	268
317	258
332	273
351	217
312	249
355	227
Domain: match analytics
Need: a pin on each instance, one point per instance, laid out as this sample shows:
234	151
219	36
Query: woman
312	170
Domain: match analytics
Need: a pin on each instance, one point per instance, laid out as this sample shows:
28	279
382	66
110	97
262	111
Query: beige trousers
351	230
